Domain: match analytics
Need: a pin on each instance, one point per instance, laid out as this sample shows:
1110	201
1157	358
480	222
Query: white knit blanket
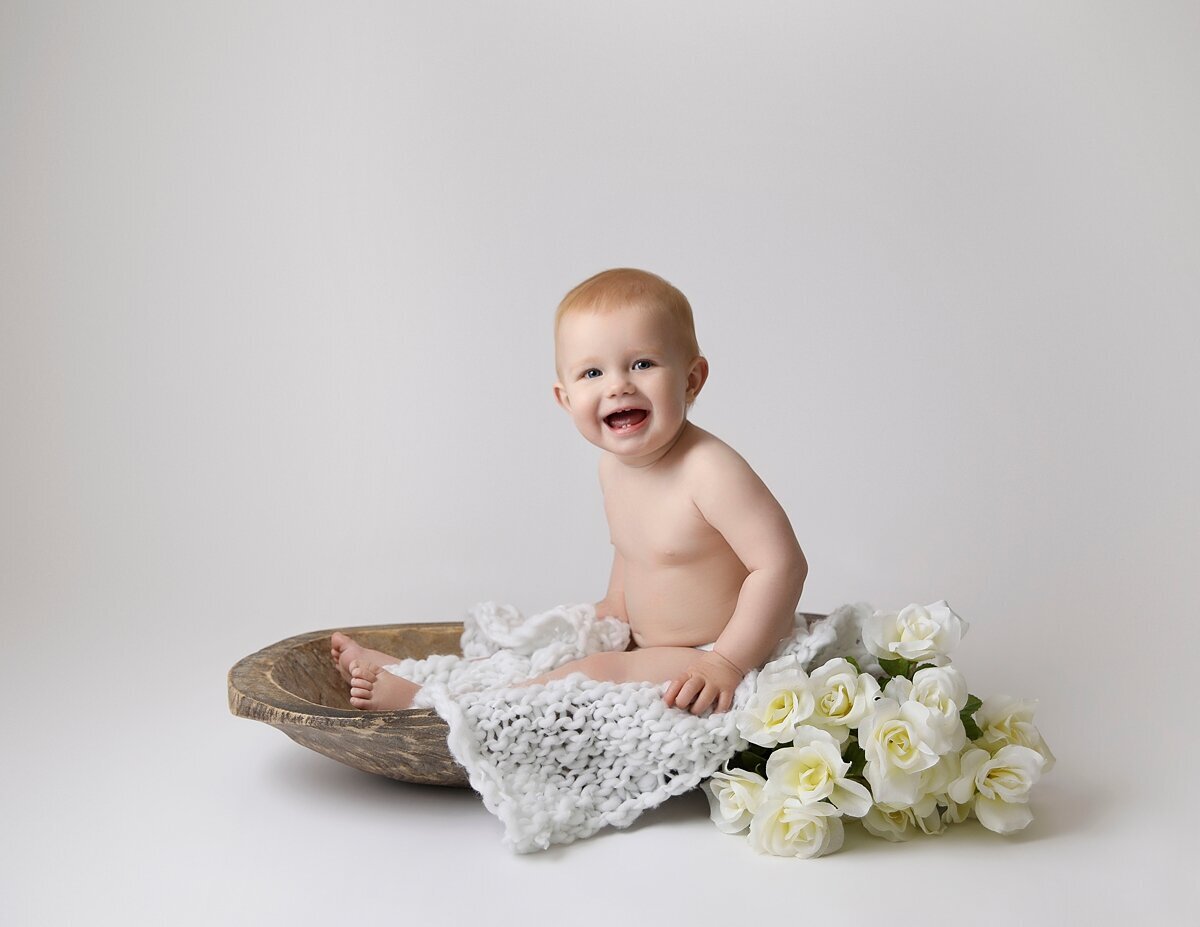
557	762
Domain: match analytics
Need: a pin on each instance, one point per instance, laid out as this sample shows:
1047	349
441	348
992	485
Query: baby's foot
345	650
373	688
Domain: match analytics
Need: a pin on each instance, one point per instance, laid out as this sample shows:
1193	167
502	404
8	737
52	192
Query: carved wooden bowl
294	686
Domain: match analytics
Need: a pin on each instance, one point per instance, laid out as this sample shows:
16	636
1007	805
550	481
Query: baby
706	568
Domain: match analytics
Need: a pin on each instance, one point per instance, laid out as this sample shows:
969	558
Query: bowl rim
254	693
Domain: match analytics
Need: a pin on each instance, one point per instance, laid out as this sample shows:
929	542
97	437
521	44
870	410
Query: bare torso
676	578
681	577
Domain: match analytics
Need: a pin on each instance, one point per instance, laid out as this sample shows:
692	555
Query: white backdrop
276	289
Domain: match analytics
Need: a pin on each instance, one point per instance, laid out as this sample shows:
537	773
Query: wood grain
294	686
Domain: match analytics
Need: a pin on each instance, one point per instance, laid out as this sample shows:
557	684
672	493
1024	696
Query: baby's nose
620	385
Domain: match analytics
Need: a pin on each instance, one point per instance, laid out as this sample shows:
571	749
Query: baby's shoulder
707	455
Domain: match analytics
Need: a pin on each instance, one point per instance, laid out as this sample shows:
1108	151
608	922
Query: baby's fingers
704	699
725	702
673	690
690	689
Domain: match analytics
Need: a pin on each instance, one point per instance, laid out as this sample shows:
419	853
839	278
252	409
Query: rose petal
851	798
1001	816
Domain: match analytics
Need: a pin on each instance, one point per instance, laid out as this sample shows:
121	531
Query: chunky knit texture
557	762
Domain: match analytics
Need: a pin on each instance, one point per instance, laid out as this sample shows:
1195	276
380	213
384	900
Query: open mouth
625	419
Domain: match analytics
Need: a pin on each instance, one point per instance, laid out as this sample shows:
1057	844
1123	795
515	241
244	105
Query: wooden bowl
294	686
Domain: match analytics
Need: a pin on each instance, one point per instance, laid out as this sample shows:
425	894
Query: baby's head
636	290
624	345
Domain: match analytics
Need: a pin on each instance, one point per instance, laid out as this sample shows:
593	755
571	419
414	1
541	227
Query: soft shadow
1057	814
312	777
681	808
1066	807
1062	808
689	806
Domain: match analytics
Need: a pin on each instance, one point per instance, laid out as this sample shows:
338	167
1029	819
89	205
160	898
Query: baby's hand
711	678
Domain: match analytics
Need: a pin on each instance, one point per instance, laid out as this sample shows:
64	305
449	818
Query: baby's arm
614	600
732	498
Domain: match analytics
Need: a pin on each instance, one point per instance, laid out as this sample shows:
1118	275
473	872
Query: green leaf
854	754
967	715
924	666
750	762
739	760
897	666
853	662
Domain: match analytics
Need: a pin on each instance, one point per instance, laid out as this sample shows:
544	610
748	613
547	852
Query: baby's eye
643	364
590	374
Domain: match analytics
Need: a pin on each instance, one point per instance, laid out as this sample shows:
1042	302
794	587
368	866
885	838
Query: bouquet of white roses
917	754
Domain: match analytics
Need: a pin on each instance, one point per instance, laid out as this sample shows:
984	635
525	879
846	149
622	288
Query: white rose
894	824
813	770
917	632
955	813
897	823
935	784
1000	785
782	701
928	818
936	780
786	826
896	740
843	697
1006	720
943	690
733	796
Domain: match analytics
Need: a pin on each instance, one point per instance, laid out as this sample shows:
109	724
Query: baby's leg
345	650
648	664
373	688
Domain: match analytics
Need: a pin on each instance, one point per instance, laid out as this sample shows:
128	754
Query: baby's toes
364	670
361	690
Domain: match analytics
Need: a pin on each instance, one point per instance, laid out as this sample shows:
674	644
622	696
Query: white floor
127	809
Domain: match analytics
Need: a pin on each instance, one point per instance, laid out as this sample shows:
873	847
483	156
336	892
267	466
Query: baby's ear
561	397
697	377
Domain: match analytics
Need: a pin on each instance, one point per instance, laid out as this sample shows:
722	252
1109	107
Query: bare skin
373	688
702	551
345	650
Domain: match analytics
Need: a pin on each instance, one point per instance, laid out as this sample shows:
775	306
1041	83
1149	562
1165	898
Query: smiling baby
706	568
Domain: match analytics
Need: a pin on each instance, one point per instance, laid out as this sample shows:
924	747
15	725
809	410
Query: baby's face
626	380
